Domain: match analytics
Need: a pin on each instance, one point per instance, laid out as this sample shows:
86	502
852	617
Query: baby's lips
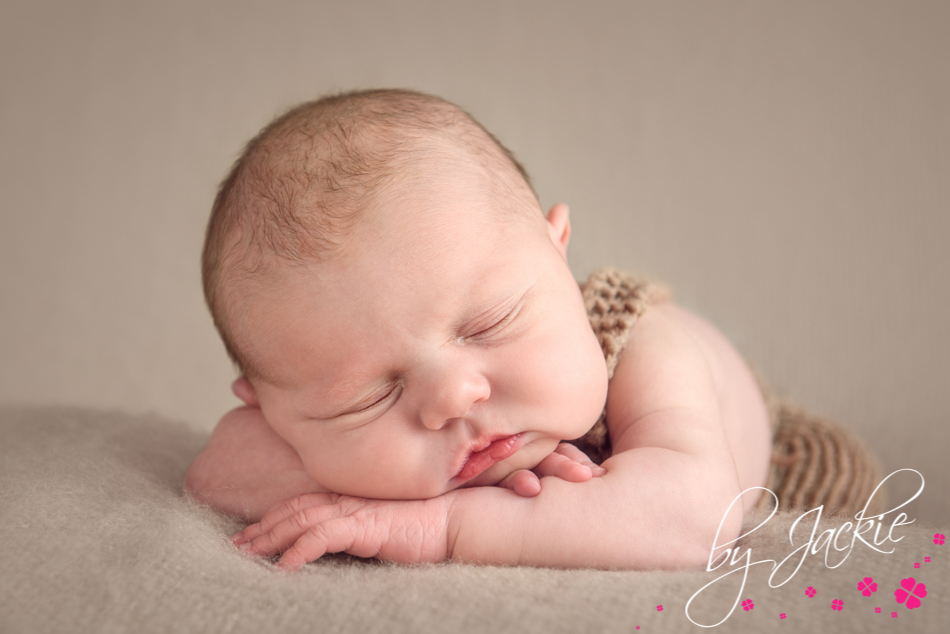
496	451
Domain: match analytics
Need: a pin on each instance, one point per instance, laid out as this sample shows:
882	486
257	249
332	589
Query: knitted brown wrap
815	461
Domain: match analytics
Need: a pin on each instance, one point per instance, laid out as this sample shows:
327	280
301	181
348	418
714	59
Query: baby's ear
559	227
243	389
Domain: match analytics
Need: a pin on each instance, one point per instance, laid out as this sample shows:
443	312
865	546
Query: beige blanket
97	537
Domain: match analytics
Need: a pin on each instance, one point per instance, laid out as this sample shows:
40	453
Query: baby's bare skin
373	400
670	350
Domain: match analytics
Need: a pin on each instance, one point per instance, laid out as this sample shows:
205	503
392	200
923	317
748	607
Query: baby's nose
451	395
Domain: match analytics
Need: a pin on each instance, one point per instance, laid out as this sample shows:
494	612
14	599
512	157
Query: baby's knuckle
300	520
313	543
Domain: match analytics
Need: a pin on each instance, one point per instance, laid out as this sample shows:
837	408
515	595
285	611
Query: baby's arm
247	468
660	504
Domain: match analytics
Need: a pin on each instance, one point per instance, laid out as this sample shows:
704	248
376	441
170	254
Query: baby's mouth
496	451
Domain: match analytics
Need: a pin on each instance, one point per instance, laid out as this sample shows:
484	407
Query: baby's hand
307	527
566	462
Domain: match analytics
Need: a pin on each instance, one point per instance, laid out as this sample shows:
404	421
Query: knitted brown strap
614	301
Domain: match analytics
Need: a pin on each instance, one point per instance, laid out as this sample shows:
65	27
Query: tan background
785	166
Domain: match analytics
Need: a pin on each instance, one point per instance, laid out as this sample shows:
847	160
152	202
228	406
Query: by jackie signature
841	539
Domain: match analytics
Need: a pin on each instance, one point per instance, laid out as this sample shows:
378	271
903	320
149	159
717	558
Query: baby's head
398	305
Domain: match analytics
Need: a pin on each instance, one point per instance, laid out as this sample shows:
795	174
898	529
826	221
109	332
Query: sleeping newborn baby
415	353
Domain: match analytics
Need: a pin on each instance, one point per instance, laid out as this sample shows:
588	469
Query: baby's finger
239	538
568	450
563	467
284	534
249	534
334	536
280	513
525	483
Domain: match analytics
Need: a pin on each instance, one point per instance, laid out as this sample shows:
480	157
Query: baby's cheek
591	376
381	465
574	377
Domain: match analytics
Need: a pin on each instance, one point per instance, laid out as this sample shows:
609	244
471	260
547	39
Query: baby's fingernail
237	538
598	470
245	547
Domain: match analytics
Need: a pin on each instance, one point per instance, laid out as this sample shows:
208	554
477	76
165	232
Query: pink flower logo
747	605
916	564
893	615
939	538
927	560
877	610
782	615
659	608
837	604
810	592
910	593
867	586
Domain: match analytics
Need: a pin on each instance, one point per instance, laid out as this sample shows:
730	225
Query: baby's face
446	347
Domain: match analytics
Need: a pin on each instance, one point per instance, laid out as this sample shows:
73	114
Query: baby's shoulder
678	363
670	360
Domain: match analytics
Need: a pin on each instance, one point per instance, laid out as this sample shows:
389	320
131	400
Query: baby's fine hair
300	184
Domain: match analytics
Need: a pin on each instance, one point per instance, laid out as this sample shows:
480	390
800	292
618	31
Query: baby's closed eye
376	401
495	324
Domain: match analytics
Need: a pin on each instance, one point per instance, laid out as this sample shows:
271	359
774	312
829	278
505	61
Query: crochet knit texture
815	461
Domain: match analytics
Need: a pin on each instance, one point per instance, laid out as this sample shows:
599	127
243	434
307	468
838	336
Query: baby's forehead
324	216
